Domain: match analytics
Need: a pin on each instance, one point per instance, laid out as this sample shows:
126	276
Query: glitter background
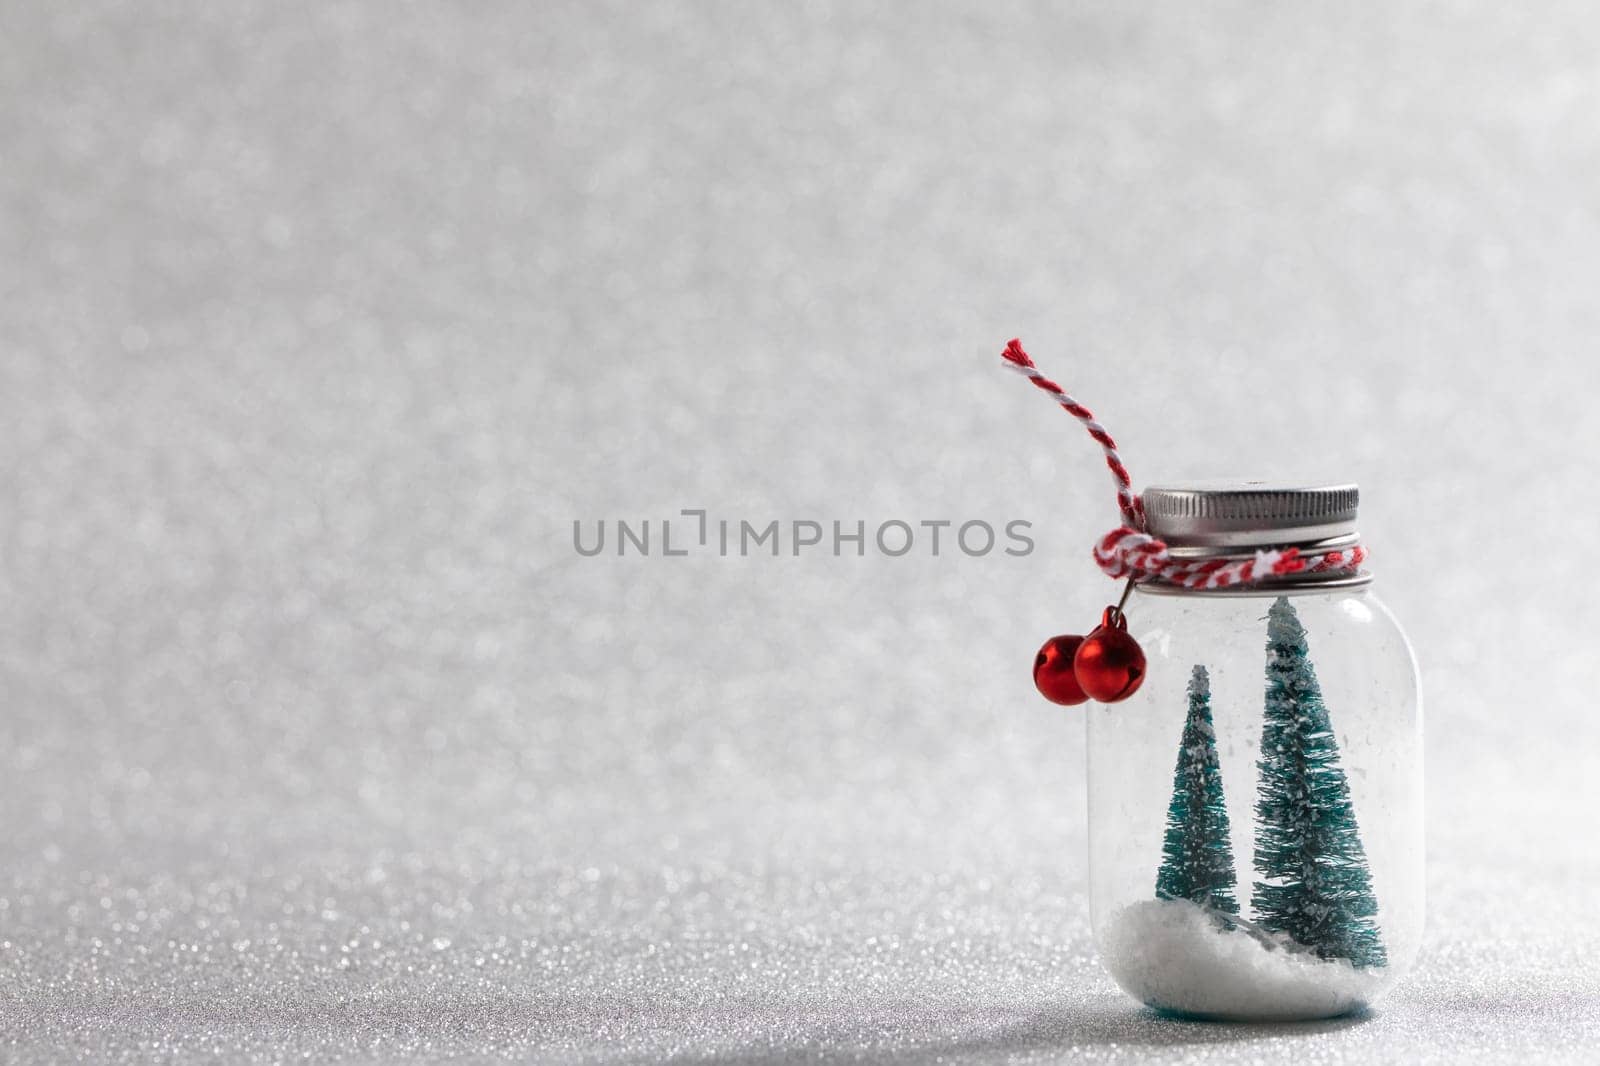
320	324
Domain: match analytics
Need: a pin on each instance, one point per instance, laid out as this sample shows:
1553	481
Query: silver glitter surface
321	324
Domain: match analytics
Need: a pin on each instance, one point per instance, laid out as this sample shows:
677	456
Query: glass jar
1255	808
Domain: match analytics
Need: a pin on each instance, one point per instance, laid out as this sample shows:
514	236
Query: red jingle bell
1109	664
1053	674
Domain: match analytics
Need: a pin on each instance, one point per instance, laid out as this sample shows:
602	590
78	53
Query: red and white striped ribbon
1129	552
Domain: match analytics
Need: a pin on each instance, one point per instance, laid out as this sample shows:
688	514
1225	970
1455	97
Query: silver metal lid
1234	519
1225	517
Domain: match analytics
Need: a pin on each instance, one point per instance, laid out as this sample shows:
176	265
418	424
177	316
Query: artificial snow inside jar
1255	807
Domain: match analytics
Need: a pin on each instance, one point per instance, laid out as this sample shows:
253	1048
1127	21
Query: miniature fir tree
1314	884
1197	857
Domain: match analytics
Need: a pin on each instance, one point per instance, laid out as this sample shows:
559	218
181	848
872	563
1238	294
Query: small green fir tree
1197	857
1313	880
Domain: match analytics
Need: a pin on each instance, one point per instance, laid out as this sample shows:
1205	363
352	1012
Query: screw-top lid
1211	516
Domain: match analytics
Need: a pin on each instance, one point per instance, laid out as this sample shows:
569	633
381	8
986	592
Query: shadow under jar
1255	809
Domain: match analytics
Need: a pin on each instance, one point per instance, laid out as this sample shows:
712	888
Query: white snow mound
1175	957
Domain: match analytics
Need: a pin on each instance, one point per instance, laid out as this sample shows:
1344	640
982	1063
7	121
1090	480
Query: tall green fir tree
1197	856
1313	883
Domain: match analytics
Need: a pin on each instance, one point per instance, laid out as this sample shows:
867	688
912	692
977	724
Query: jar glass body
1255	809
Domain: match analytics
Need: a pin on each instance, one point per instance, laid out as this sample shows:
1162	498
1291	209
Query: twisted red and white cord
1129	552
1132	510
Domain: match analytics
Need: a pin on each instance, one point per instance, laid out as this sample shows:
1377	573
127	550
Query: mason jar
1255	808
